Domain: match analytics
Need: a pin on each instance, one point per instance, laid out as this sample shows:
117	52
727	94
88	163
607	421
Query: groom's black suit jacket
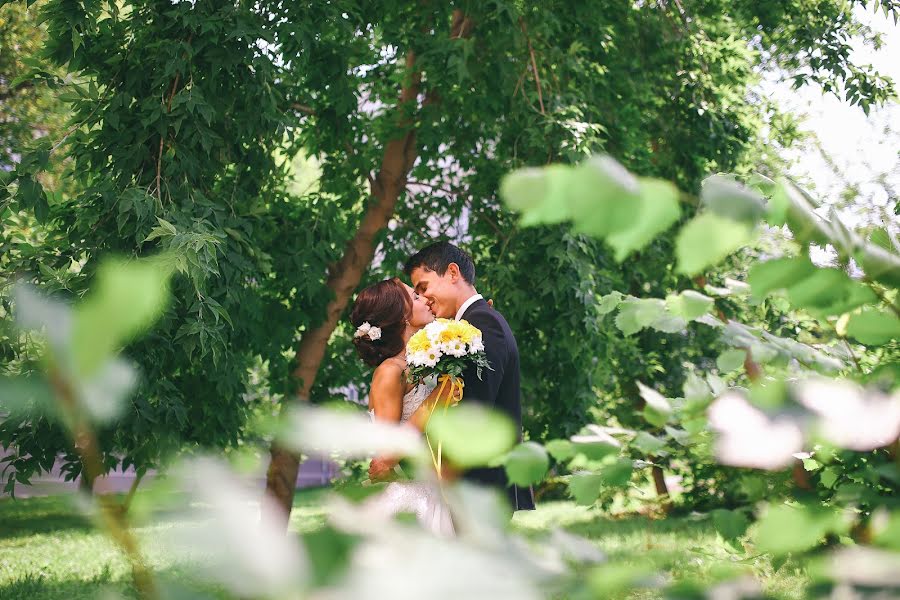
498	389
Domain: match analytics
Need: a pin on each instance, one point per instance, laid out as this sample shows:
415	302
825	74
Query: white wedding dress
421	498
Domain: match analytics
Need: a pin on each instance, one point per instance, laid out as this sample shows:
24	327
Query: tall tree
413	110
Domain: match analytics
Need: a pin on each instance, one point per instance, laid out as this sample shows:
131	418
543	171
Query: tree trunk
86	482
398	159
662	490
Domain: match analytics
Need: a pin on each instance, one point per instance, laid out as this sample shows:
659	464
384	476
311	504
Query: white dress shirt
472	300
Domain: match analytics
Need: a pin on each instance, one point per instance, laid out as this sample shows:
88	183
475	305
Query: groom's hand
381	468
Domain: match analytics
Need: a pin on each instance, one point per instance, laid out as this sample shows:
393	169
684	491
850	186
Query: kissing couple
386	315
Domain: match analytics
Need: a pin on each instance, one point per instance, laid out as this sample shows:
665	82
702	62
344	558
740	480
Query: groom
445	276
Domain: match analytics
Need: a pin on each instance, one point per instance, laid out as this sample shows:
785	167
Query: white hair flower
368	330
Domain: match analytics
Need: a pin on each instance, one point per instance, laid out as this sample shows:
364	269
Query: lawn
49	551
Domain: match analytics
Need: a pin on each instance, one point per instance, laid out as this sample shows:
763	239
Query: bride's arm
386	400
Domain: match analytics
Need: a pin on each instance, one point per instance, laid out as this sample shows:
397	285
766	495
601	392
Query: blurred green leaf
648	444
613	580
603	197
728	198
785	529
689	305
471	435
595	443
828	477
560	449
618	473
706	240
731	360
527	463
126	298
637	313
539	194
830	291
329	552
656	209
771	275
609	302
585	487
874	326
657	408
887	533
730	524
25	395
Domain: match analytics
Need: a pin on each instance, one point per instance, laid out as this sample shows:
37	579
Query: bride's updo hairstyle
385	305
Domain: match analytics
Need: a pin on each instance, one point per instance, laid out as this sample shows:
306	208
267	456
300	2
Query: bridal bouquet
444	348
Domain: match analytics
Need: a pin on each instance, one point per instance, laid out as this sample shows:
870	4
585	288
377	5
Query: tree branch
534	69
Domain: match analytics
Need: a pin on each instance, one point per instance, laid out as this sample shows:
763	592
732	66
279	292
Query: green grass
679	547
49	551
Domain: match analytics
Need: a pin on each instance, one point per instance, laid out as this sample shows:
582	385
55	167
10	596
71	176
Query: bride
386	315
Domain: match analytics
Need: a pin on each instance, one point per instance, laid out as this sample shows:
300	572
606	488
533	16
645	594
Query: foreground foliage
184	119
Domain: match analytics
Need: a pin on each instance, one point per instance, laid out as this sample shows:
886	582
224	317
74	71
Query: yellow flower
419	343
468	332
454	331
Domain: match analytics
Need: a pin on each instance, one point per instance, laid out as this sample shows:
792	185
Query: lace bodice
413	399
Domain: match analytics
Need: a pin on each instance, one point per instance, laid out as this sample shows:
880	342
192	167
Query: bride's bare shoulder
390	368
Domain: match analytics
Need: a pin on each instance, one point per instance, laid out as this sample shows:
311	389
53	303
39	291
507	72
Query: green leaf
874	327
888	533
638	313
728	198
471	435
609	302
881	238
126	298
613	580
552	207
560	449
830	291
730	524
879	264
595	443
785	529
657	408
329	552
731	360
648	444
779	205
527	464
828	477
762	184
618	473
811	464
603	197
25	395
656	210
706	240
585	487
31	195
766	277
689	305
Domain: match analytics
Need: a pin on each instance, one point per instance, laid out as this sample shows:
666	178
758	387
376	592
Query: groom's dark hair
438	256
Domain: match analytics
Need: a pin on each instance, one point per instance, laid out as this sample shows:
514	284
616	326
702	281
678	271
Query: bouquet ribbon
454	388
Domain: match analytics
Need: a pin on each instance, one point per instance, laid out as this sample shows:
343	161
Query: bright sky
863	148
